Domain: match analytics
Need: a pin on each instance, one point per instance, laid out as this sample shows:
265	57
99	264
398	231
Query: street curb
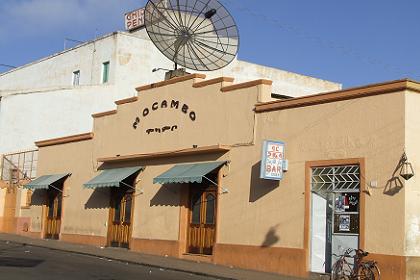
168	263
124	261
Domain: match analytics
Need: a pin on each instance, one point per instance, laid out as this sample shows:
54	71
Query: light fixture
158	69
224	190
406	170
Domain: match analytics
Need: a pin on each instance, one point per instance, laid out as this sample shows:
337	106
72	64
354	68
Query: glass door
334	214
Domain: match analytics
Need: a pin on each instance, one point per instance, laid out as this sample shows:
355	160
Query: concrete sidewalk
123	255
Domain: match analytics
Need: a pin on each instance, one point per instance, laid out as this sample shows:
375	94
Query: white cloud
32	18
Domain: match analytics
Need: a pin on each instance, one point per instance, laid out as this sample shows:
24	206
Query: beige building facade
176	170
65	88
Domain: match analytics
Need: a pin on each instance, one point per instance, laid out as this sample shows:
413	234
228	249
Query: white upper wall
29	117
132	57
39	101
57	70
134	68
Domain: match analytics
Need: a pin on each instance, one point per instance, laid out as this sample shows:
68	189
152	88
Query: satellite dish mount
197	34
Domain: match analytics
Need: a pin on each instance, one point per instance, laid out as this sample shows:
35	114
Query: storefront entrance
334	214
202	219
121	183
53	218
119	230
202	181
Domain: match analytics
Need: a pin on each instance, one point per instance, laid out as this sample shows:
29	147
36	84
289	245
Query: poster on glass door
347	202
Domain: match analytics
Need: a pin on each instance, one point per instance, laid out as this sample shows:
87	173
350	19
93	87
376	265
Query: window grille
335	178
24	165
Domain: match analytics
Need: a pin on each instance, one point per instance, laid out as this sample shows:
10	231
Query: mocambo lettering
164	104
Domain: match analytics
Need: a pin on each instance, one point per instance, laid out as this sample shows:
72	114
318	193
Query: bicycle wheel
338	271
376	272
369	271
365	273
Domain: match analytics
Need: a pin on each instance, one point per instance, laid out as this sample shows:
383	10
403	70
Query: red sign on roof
134	19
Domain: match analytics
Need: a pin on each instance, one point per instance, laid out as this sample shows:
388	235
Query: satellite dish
197	34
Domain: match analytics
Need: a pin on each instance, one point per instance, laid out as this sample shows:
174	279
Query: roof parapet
213	81
340	95
247	85
64	140
126	100
171	81
102	114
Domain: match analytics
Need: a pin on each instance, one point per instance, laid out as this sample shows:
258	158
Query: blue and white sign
272	160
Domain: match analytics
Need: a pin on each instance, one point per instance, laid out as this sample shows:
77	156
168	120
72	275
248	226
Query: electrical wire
343	49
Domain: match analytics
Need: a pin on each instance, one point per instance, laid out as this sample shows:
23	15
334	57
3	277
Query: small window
105	72
28	198
76	78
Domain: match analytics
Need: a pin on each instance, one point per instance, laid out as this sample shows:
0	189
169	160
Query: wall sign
166	105
134	19
272	160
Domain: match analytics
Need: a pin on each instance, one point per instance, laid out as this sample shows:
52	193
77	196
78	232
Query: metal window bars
343	178
19	166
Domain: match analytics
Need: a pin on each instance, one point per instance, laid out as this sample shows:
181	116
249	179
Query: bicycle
359	270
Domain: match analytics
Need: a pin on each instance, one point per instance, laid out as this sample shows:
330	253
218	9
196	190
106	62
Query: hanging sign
134	19
272	160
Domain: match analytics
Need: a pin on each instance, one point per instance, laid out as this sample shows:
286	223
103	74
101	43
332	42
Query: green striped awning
43	182
187	173
111	177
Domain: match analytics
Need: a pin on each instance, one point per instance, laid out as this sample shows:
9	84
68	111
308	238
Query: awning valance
111	177
45	181
187	173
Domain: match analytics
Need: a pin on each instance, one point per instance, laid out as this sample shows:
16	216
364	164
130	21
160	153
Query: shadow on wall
260	187
394	185
271	237
168	195
39	197
99	199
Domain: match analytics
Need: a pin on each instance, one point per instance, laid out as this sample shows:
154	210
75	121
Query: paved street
26	262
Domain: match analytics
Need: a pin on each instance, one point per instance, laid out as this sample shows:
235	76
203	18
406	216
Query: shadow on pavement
19	262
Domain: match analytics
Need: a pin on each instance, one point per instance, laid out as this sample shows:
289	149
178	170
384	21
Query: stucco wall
132	58
220	118
284	82
264	212
57	70
2	196
26	118
371	128
84	212
41	92
157	207
412	189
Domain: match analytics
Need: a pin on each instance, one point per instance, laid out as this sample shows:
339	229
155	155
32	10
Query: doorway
10	209
10	202
335	196
202	218
120	217
53	218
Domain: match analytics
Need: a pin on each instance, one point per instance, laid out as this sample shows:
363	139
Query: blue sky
352	42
